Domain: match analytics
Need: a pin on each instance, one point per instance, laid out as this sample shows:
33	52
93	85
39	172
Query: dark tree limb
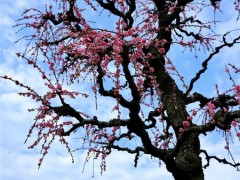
151	118
223	100
221	120
224	119
123	102
198	97
130	80
110	6
195	35
136	150
205	62
224	161
128	17
67	110
124	135
96	122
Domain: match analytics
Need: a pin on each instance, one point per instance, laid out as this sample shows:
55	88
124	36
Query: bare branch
205	62
224	161
198	97
123	102
99	124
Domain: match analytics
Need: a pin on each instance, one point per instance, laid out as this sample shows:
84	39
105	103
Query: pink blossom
51	95
114	129
171	9
135	40
182	43
128	33
104	155
59	87
181	130
105	63
30	62
40	160
140	81
115	108
151	69
162	51
234	123
123	24
226	70
45	148
186	123
119	59
226	147
143	41
149	55
67	123
237	88
194	113
172	68
110	138
51	66
44	76
51	86
123	8
211	108
93	88
238	134
116	92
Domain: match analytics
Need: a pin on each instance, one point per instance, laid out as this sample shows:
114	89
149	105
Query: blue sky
18	162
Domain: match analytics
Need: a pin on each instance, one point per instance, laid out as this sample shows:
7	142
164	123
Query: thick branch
111	7
130	80
123	102
67	110
224	119
151	118
136	150
96	122
128	17
198	97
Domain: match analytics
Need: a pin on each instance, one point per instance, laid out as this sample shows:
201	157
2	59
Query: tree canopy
127	56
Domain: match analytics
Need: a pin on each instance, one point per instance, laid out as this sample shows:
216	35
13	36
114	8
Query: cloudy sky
18	162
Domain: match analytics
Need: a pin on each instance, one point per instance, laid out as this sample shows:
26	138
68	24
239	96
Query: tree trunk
187	164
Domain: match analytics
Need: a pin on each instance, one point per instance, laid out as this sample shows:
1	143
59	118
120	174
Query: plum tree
128	62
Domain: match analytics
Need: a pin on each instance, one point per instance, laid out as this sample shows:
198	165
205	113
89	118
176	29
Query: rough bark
185	162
